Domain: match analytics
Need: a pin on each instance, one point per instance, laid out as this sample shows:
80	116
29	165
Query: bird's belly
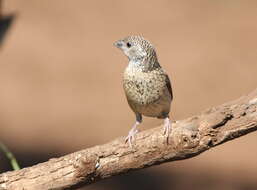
148	97
159	108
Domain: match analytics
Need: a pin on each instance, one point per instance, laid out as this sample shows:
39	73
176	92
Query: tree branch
189	138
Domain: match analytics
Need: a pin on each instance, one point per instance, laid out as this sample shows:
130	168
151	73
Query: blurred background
61	82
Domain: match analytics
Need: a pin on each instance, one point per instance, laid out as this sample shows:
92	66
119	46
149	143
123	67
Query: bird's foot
167	128
131	136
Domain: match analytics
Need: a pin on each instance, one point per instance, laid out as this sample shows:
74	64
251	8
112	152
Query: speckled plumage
148	92
146	85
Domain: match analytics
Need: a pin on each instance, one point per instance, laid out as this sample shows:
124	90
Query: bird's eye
128	44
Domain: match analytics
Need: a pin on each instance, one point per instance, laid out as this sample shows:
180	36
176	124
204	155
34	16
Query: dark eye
128	44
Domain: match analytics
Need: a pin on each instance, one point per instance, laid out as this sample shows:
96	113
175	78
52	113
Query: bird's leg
132	133
131	136
167	127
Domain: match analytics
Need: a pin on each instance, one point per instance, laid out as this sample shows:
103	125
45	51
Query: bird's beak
118	44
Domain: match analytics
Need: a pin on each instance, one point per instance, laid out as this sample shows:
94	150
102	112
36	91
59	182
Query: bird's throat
142	65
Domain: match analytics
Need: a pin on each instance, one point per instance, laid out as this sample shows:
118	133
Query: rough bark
189	138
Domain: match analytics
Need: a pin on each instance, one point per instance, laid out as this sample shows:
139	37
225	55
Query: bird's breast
143	88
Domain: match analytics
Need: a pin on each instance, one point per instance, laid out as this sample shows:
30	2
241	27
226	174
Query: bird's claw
167	128
131	136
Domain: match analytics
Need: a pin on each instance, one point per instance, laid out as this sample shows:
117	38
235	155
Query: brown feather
168	84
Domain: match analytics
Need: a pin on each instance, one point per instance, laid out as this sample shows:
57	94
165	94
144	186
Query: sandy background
61	88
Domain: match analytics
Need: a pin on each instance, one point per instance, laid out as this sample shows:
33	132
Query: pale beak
118	44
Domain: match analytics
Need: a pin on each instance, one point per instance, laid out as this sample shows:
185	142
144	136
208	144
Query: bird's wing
168	84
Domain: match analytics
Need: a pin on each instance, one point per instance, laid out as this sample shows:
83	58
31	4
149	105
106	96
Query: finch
146	85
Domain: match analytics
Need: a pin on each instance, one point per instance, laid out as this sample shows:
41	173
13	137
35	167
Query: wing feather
168	84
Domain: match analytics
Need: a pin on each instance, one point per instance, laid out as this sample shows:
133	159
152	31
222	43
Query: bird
147	86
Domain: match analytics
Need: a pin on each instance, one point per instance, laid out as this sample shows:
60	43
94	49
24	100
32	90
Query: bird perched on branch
146	84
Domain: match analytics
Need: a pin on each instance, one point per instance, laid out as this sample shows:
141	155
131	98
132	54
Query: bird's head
136	48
